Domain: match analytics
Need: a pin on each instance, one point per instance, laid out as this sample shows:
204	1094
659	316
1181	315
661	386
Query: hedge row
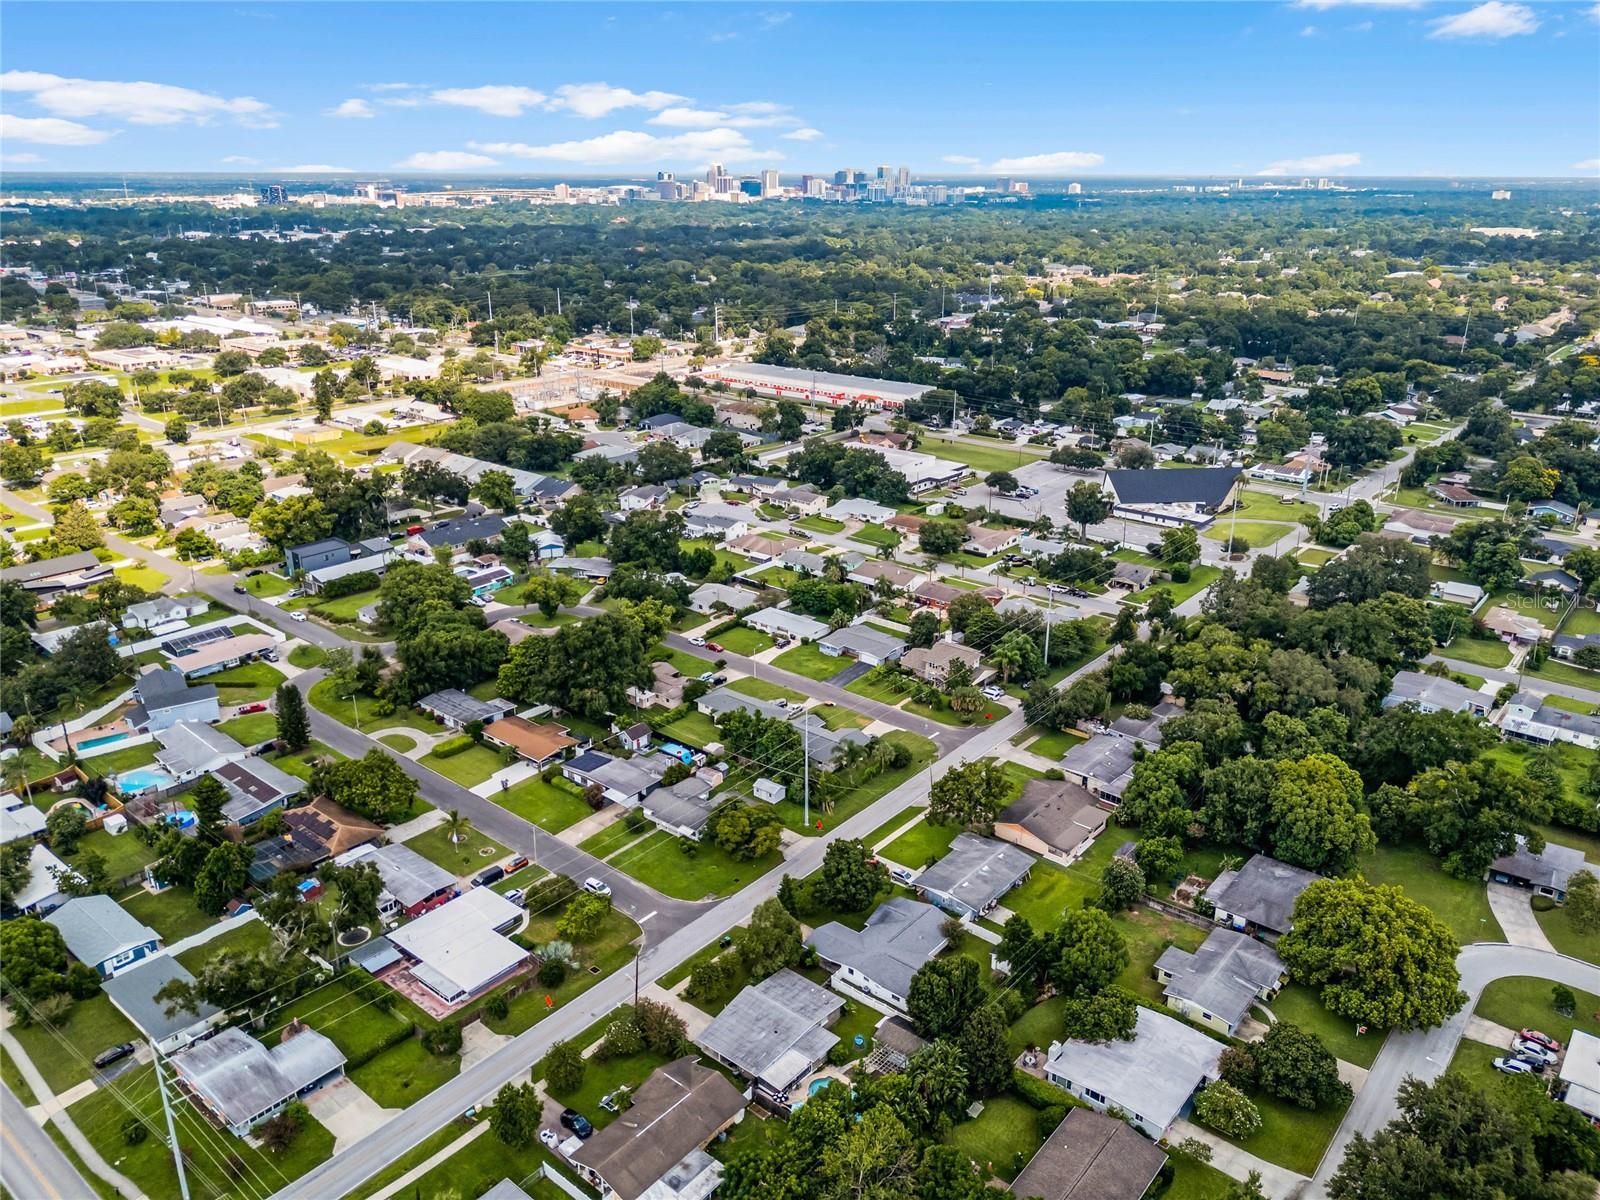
456	745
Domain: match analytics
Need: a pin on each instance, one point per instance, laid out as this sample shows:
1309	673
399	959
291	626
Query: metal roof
1207	486
241	1079
767	1020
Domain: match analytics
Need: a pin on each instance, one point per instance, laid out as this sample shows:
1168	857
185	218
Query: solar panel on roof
191	642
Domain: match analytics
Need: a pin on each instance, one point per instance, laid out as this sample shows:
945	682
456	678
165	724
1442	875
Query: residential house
787	623
455	535
721	597
168	1029
1259	897
100	933
190	749
315	833
1169	497
1454	591
454	709
868	512
19	819
899	938
937	595
803	561
458	949
723	700
802	501
1529	718
48	579
1132	577
1103	765
1579	1077
1220	982
985	541
1053	818
974	874
1091	1156
164	613
1563	514
1150	1080
873	570
210	658
181	508
486	580
862	643
164	698
313	556
1453	495
1434	693
635	737
1511	626
42	893
596	570
411	884
763	547
775	1032
1553	579
1544	874
372	564
665	692
255	788
646	496
682	808
536	744
822	744
933	664
655	1149
1553	549
622	781
239	1082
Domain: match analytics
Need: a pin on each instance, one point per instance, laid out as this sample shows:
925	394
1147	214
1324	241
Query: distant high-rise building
750	187
841	178
274	194
769	183
815	186
883	174
664	176
1003	184
1500	194
1074	189
726	184
902	178
714	173
877	192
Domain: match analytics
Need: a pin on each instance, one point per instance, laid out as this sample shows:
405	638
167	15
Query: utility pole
805	767
716	324
172	1132
558	302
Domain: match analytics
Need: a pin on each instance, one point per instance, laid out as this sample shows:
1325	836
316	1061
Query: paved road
1424	1054
32	1167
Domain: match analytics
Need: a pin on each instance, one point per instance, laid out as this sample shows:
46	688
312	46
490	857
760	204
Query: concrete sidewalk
1279	1183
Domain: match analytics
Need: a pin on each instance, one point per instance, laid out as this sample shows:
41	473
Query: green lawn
819	524
468	768
765	689
1461	904
811	662
149	1164
889	690
306	657
402	1075
1582	619
459	858
778	577
608	951
1268	506
251	729
1257	533
1001	1139
1200	578
1565	936
552	806
1571	763
1559	672
1523	603
358	1027
170	913
742	640
899	821
1520	1001
920	845
299	762
876	535
688	665
694	728
1300	1005
837	716
982	458
242	935
343	608
267	584
1054	743
1589	843
1193	1180
609	840
106	765
246	683
402	742
484	1162
659	861
1315	556
1291	1136
125	854
1481	652
1569	703
860	793
148	578
64	1050
359	712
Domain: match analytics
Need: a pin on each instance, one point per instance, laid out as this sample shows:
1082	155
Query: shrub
456	745
841	1053
1051	1117
1227	1110
552	972
1036	1093
443	1039
349	585
1180	572
134	1131
635	821
1238	1067
1542	903
497	1006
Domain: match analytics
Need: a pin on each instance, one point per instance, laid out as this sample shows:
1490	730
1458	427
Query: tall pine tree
294	728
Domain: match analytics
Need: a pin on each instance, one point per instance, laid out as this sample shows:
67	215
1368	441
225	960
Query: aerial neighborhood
1090	731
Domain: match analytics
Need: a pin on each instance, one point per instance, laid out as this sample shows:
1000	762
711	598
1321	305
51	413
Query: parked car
488	875
708	677
515	863
269	655
516	897
297	615
1534	1052
719	679
995	692
577	1122
713	647
254	571
550	1138
115	1054
697	641
901	875
597	886
240	589
1513	1066
1540	1039
251	708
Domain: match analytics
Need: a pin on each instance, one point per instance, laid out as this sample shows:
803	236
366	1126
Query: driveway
1517	919
850	674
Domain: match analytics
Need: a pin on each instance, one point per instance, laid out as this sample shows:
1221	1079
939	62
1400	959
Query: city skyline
1340	88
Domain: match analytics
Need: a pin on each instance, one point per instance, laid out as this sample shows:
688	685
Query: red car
252	708
1541	1039
713	647
516	864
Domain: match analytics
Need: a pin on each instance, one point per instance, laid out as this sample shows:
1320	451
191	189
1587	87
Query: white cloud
24	157
601	99
445	160
241	160
1324	5
1059	160
498	100
49	131
1310	31
315	169
1491	19
351	108
140	102
393	87
758	114
1588	164
1310	164
806	134
637	148
961	160
770	19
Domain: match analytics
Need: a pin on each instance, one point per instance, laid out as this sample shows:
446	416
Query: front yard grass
876	535
251	729
359	712
694	728
299	762
404	1074
307	656
765	689
1560	672
895	823
1461	904
1481	652
920	845
609	840
1300	1005
267	584
459	858
743	640
1054	743
986	459
811	662
660	862
1291	1136
1565	936
1521	1001
64	1050
551	806
403	742
246	683
148	578
468	768
819	524
1200	578
1257	533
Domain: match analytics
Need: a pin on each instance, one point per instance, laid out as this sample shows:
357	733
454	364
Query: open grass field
893	825
689	665
1571	763
247	936
360	714
1481	652
661	862
1268	506
693	728
403	742
1257	533
876	535
1054	743
469	768
467	857
64	1050
741	640
811	662
860	792
1570	703
983	459
552	806
923	843
148	578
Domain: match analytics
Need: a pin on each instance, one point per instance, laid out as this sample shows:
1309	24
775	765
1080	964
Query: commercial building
1172	497
1150	1079
239	1082
818	387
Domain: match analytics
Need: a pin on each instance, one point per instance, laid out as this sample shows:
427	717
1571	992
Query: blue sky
1352	87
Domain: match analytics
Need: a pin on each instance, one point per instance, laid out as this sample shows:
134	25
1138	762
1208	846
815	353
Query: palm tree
456	826
16	777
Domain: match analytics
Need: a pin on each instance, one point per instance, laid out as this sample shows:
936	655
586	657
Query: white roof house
1580	1074
785	622
241	1082
458	948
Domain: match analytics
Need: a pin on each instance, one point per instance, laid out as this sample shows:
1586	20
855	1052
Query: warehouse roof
1207	486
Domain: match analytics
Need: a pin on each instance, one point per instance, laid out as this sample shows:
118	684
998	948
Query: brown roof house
656	1148
1054	819
933	664
1091	1156
538	744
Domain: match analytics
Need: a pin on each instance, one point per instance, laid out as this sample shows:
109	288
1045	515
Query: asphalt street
32	1167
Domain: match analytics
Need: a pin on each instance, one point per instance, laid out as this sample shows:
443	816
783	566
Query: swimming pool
102	741
142	779
815	1086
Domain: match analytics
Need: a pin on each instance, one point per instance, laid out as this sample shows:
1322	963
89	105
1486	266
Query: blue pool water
142	779
183	818
815	1086
102	741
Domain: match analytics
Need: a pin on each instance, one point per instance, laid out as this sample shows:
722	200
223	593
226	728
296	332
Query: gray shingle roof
133	992
769	1020
1224	975
1550	869
96	928
1091	1156
976	871
1263	891
1153	1075
898	940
